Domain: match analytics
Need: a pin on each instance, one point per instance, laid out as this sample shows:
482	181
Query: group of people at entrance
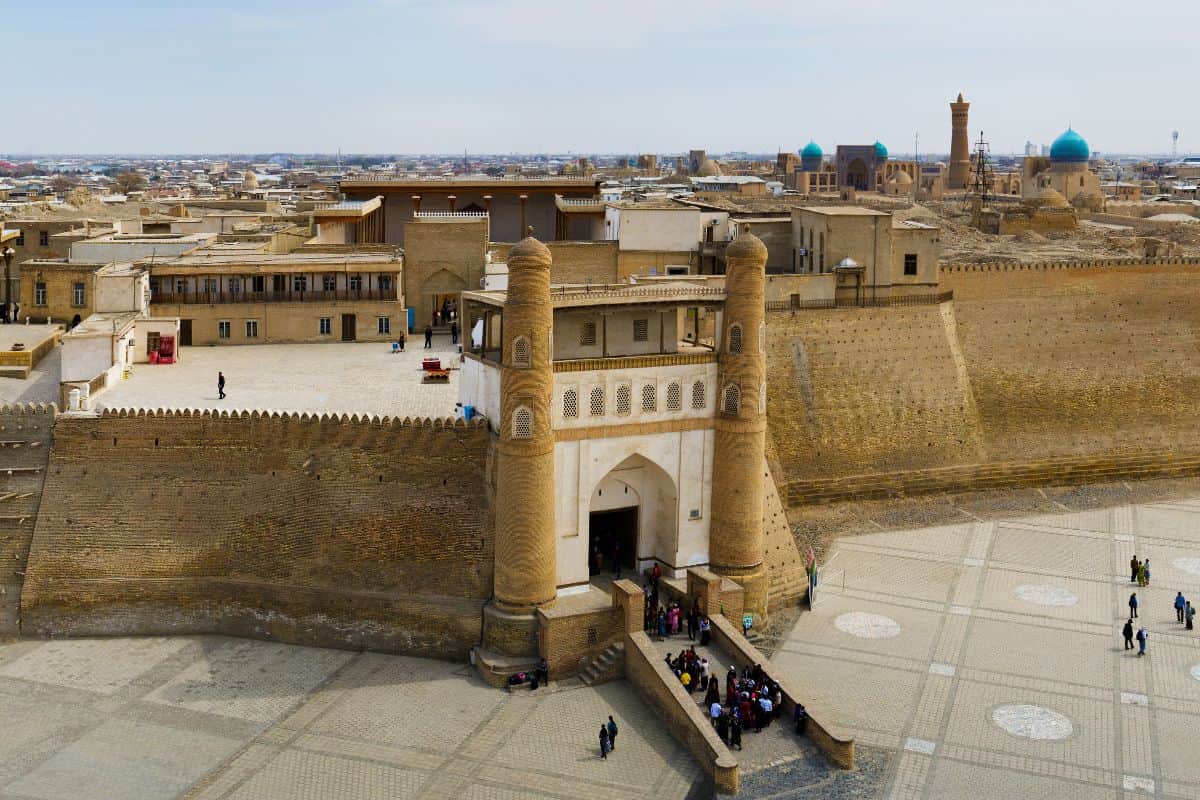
1185	613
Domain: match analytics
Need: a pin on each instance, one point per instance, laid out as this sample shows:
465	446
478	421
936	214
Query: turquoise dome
1070	148
812	150
880	151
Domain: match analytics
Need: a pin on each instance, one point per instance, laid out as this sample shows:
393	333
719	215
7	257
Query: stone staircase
607	666
976	477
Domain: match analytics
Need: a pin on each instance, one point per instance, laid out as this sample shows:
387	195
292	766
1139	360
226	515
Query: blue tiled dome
1070	148
812	150
880	151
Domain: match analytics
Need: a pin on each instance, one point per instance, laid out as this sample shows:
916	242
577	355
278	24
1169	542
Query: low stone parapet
663	692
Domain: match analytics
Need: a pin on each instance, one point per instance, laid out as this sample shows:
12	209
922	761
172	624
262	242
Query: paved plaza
341	378
215	717
988	655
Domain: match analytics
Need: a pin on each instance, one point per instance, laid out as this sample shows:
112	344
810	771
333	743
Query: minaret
960	153
736	535
526	565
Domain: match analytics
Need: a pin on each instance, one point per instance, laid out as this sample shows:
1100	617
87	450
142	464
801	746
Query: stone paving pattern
214	717
1002	672
341	378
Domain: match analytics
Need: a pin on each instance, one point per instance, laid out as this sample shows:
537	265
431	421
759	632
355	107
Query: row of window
279	283
78	294
324	327
624	399
43	239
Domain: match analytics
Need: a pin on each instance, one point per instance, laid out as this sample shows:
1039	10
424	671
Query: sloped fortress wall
24	451
341	532
1077	361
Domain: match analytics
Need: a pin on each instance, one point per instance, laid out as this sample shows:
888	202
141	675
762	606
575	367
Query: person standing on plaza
1188	614
400	341
605	742
428	337
1127	632
612	733
1146	571
1180	605
453	333
1142	636
1133	605
1134	565
735	731
220	385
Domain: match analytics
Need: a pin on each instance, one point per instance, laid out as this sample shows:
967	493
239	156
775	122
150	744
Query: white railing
466	179
442	214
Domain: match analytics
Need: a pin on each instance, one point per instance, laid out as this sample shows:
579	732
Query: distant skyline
622	76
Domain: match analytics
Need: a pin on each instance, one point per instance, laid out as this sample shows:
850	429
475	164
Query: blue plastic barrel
468	412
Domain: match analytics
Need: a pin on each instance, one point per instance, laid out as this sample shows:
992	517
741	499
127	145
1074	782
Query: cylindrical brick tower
736	533
960	146
526	565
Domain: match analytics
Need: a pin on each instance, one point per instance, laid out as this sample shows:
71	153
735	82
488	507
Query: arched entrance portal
856	174
632	516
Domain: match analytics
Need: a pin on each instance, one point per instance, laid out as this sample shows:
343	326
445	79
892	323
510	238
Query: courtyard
215	717
335	378
988	655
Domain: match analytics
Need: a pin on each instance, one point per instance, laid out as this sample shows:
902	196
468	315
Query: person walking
453	333
1188	614
1142	636
735	731
612	733
1180	605
605	742
1146	571
1133	605
220	385
1134	565
400	341
428	337
1127	632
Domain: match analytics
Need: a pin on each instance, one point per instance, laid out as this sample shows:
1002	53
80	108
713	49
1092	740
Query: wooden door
185	333
348	331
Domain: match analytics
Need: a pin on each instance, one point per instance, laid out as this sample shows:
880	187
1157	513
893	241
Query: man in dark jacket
1127	632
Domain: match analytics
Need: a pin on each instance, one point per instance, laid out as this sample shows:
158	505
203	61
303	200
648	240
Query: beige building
1066	172
871	254
234	293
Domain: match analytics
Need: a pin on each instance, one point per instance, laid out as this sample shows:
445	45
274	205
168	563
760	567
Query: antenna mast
983	170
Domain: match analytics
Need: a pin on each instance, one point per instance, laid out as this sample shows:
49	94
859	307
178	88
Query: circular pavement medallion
1043	594
1032	722
1196	671
1191	565
867	626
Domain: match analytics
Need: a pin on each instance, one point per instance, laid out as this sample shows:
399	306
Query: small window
234	284
624	399
251	329
520	351
279	283
210	285
44	238
355	283
762	337
731	399
383	324
641	330
649	398
299	283
20	241
325	326
223	329
39	293
329	283
384	282
762	399
522	423
78	294
698	398
258	283
597	401
587	334
181	285
735	339
910	263
570	404
674	396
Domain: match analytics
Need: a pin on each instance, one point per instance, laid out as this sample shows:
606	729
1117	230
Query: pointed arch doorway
632	518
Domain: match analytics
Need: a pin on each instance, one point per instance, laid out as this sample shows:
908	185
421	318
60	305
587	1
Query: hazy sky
614	76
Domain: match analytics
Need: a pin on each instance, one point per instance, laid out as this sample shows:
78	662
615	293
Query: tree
79	197
61	184
129	182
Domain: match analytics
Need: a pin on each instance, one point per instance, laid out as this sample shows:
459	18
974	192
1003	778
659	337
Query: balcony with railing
282	296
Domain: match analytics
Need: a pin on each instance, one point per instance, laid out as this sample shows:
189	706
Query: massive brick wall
1071	361
325	531
863	390
24	451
